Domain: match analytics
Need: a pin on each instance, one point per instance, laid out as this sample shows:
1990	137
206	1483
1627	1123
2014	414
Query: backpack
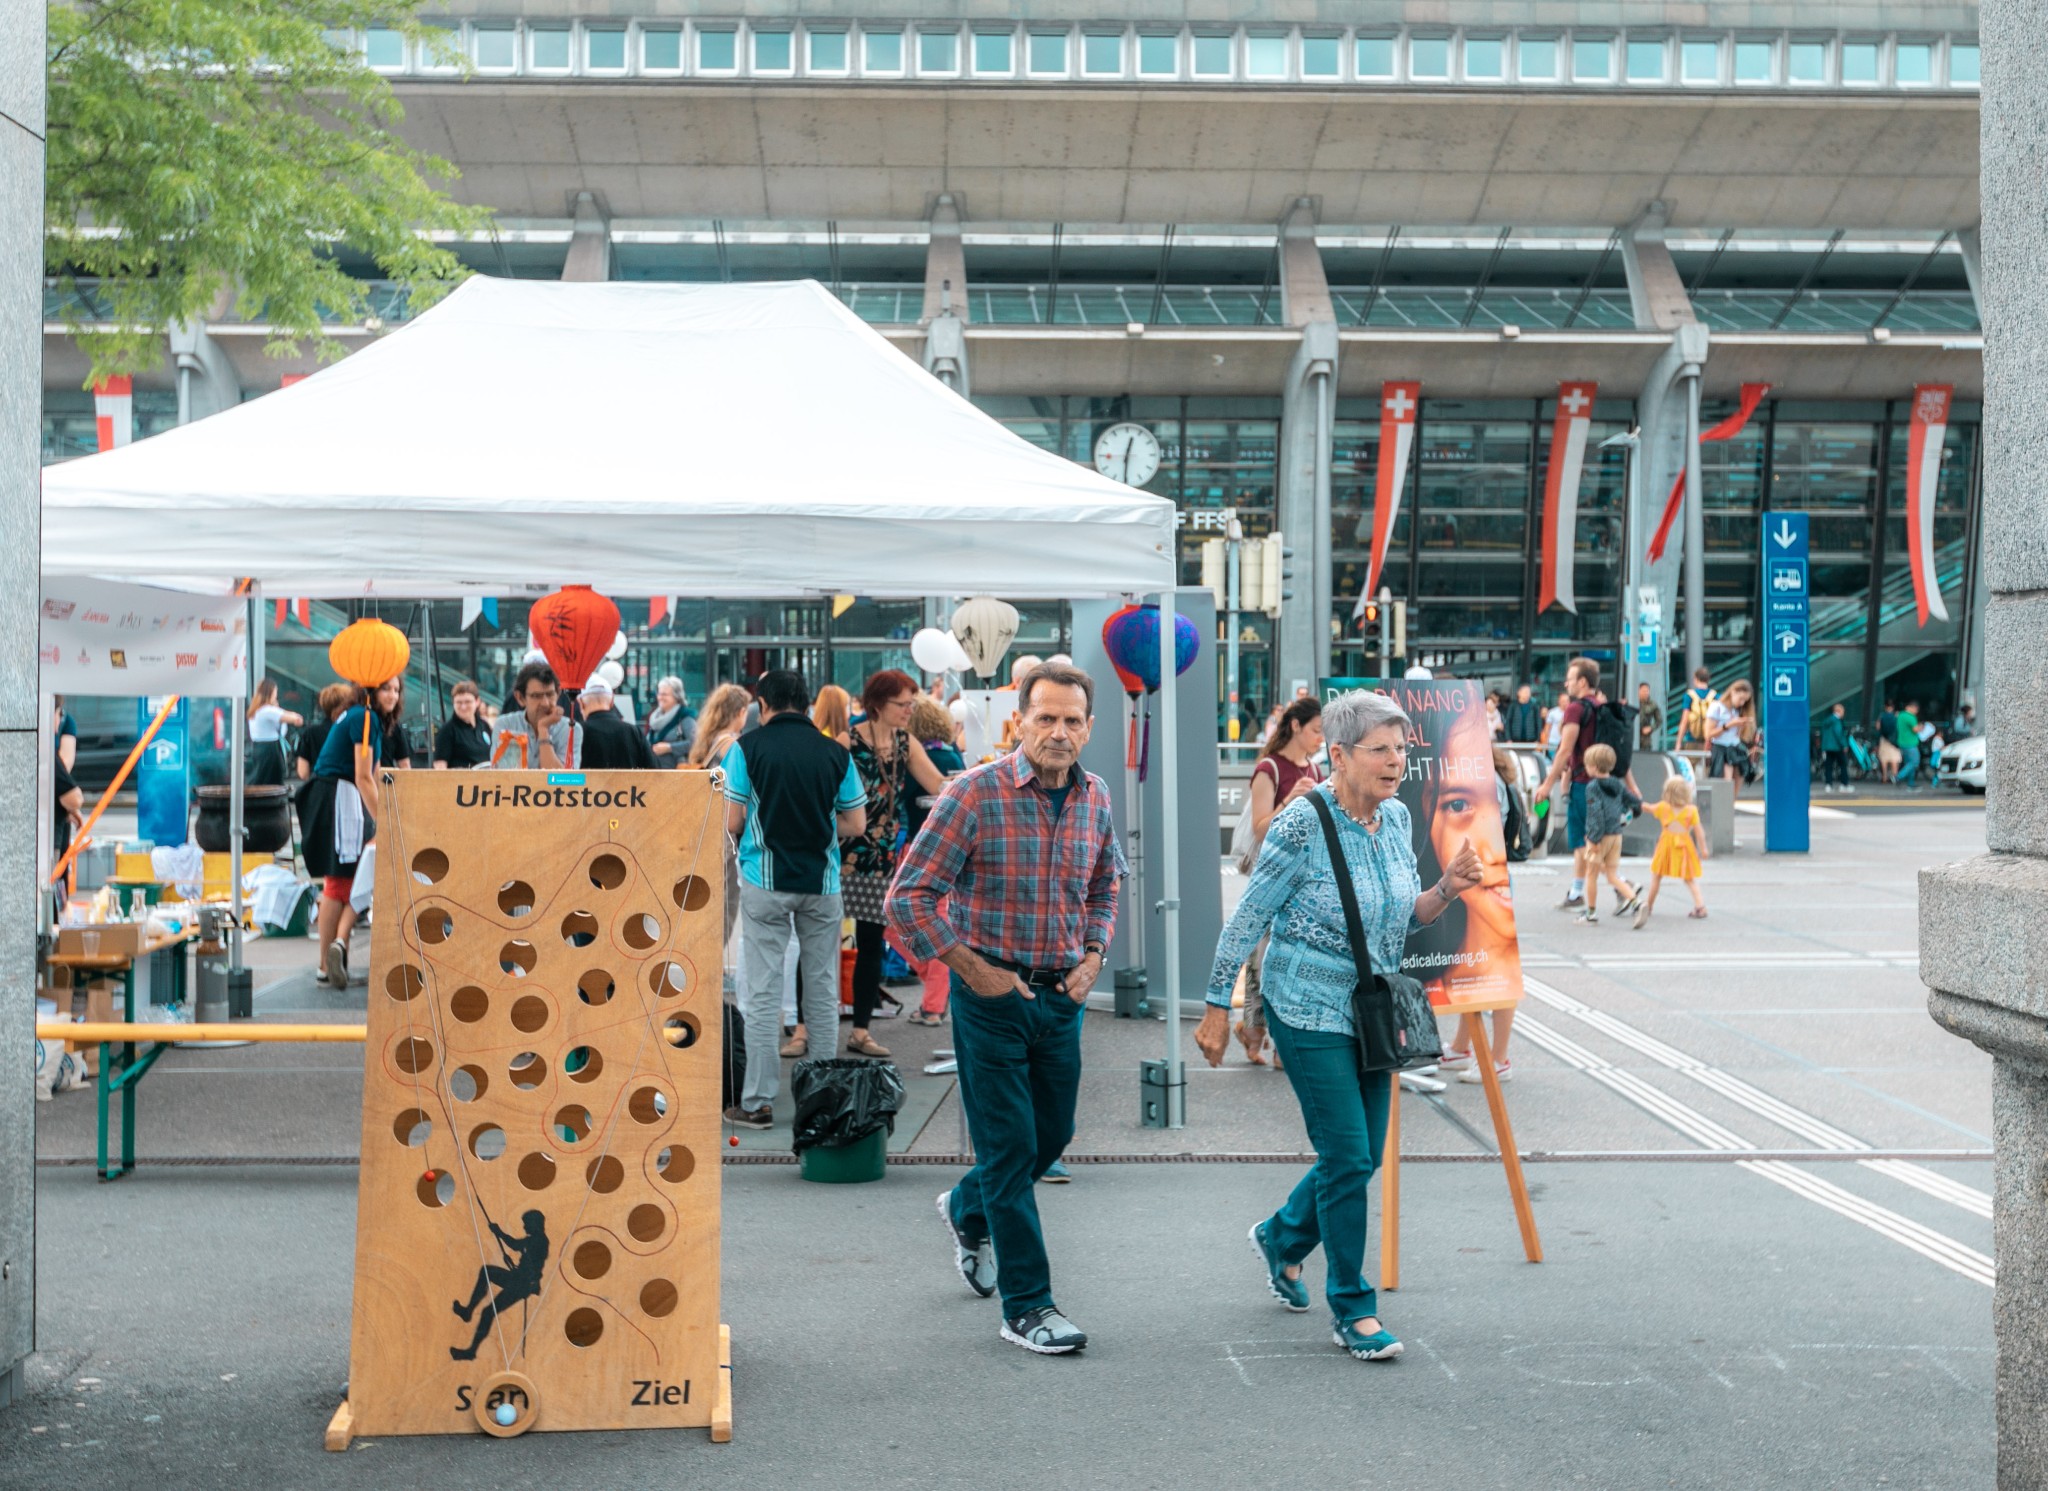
1697	703
1614	725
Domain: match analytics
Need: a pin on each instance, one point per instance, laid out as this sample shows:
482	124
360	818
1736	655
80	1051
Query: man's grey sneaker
1290	1292
1381	1346
976	1262
762	1117
1047	1332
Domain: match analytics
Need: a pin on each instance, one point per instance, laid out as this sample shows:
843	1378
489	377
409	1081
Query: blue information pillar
1788	762
163	777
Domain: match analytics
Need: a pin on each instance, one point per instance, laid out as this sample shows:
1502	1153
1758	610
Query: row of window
1111	53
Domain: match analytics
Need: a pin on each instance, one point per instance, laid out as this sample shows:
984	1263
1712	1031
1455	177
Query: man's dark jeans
1020	1069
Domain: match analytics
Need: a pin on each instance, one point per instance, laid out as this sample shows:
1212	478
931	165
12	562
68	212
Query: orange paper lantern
574	627
369	652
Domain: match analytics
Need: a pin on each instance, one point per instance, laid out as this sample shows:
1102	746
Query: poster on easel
1470	957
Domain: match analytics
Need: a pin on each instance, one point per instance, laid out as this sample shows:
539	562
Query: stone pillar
21	384
207	381
945	299
590	243
1984	922
1308	407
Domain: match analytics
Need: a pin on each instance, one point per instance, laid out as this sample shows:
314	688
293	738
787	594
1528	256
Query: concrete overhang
814	151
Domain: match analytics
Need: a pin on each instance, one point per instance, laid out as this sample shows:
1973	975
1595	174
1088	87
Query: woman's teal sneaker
1381	1346
1290	1292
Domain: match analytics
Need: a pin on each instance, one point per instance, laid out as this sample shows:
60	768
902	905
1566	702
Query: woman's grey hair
674	685
1349	718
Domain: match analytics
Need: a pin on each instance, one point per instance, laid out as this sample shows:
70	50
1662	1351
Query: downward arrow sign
1785	536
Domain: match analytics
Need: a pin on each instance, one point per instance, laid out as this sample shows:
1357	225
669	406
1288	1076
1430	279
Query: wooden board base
721	1406
341	1428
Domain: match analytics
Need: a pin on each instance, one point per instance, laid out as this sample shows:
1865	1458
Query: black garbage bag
841	1101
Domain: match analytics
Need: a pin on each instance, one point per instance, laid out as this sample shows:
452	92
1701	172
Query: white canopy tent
727	440
708	440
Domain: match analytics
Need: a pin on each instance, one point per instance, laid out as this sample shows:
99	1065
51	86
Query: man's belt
1037	978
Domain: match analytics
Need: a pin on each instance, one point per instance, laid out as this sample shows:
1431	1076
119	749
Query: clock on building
1128	453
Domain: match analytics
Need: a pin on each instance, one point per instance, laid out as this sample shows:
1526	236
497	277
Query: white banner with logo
102	637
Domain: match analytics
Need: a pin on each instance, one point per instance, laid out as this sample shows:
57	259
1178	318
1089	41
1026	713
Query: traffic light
1369	618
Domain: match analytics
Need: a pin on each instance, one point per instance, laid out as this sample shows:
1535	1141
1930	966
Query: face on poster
1470	954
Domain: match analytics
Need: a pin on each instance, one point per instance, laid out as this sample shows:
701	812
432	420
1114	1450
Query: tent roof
734	440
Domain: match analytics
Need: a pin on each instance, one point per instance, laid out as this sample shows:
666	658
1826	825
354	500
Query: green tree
203	146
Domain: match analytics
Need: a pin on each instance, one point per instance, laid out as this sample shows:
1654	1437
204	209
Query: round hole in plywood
680	1031
675	1164
404	981
595	987
642	932
412	1055
647	1105
435	925
528	1071
487	1141
579	929
429	866
583	1327
573	1124
412	1127
647	1222
467	1083
515	898
537	1171
607	872
436	1188
517	958
658	1297
668	979
605	1175
592	1260
583	1063
529	1013
691	893
469	1004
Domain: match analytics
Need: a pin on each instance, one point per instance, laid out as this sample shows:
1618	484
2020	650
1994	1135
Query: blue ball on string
506	1415
1131	638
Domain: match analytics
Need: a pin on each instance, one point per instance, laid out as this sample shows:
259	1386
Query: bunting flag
1398	403
1561	493
1727	429
301	607
472	607
658	608
113	407
1923	475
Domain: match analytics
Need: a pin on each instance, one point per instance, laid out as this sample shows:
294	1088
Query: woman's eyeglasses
1378	752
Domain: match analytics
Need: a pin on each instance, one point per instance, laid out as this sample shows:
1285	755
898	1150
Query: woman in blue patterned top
1307	983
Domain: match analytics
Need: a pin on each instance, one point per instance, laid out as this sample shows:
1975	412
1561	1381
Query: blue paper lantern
1131	637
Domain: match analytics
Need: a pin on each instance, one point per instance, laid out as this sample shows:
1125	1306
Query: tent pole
1169	863
238	777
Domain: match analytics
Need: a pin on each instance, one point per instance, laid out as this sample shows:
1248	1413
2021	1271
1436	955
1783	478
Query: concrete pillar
1984	921
1308	406
945	298
1662	417
1970	241
21	736
1656	294
590	243
207	382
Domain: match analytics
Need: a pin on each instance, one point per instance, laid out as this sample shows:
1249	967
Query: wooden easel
1474	1029
537	1236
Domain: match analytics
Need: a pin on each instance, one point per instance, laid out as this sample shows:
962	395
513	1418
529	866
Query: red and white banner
1923	476
1727	429
1398	403
658	607
1561	493
113	407
301	608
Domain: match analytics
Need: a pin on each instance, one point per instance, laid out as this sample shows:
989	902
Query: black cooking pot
266	817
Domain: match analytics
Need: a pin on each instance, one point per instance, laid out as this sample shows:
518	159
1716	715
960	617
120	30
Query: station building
1234	233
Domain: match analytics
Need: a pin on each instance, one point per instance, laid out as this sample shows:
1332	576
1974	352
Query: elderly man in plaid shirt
1026	848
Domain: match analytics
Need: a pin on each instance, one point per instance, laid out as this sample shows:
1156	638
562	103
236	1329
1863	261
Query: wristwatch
1091	947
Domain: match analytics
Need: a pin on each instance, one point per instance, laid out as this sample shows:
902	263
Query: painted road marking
1816	1132
1689	1121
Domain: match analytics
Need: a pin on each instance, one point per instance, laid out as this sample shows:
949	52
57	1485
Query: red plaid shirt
1023	887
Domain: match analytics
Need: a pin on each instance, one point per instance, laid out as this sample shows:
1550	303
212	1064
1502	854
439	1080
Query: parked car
1962	765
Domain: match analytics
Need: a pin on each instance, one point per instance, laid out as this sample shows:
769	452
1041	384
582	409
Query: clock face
1127	453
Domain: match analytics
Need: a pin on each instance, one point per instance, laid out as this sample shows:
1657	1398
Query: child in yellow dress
1680	848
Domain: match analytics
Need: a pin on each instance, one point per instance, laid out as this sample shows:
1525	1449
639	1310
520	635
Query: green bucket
132	895
847	1164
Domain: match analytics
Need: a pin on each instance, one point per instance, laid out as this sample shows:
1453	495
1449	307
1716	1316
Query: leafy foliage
202	148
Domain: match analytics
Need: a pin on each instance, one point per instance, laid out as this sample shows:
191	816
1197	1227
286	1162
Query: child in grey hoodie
1608	804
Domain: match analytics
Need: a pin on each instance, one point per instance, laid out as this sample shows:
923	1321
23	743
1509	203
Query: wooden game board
538	1222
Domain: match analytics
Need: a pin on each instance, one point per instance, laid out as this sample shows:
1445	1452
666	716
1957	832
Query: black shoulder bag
1391	1014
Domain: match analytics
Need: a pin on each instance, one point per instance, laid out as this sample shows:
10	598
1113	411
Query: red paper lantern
574	627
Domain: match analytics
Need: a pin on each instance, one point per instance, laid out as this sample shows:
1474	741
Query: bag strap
1354	924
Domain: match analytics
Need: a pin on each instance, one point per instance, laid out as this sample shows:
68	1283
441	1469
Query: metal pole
1234	549
1134	820
1319	551
1695	561
1169	854
1386	629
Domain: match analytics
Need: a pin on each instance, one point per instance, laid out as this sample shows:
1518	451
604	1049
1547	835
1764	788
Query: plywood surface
541	1104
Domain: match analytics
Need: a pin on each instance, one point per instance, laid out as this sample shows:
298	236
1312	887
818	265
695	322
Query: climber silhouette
514	1283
